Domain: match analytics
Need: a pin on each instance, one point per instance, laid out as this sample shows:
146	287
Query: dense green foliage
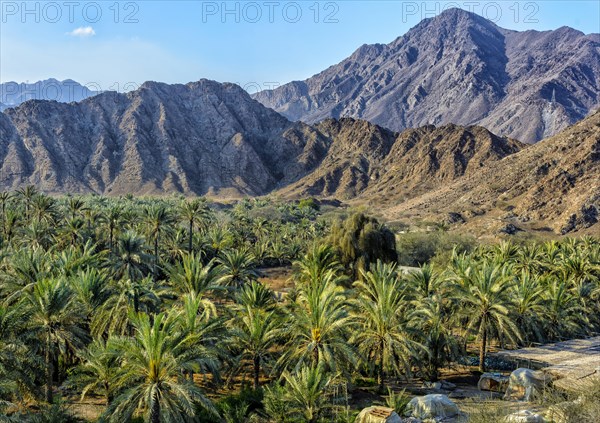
155	307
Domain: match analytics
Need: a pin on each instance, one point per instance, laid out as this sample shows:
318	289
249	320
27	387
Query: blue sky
120	44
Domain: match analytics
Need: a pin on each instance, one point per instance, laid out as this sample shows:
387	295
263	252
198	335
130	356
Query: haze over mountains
12	93
457	68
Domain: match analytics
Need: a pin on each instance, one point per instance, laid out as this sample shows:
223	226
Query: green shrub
397	400
309	203
365	382
361	240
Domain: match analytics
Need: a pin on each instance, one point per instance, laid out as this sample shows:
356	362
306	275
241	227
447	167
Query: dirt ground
279	279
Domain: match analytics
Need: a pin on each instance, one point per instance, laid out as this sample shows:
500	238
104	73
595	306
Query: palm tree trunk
4	219
108	396
381	373
256	372
136	301
191	234
155	272
482	349
155	412
436	363
49	369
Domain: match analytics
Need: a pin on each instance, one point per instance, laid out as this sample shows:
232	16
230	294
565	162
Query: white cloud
82	31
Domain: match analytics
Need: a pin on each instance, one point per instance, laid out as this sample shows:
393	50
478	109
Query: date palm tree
75	207
18	366
56	318
218	239
305	393
253	335
38	234
237	266
427	282
112	219
484	295
24	268
72	259
318	327
44	209
433	327
257	296
158	219
91	215
131	261
91	288
5	197
100	370
113	316
189	275
563	315
153	361
73	228
530	258
380	312
529	306
313	266
195	213
26	194
198	318
12	221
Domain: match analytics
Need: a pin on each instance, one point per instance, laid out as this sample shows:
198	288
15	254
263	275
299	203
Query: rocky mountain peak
457	68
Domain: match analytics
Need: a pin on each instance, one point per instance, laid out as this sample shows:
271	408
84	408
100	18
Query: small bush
57	412
365	382
397	400
309	203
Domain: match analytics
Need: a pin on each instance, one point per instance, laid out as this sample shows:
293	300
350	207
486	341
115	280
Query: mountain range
13	93
553	186
211	138
208	138
198	138
457	68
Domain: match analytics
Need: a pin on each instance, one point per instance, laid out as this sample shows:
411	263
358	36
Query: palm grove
155	306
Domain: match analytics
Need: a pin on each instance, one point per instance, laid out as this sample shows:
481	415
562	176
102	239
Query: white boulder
524	384
434	406
495	382
524	416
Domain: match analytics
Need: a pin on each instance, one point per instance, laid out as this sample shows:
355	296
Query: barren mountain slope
365	159
457	68
196	138
211	138
555	182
